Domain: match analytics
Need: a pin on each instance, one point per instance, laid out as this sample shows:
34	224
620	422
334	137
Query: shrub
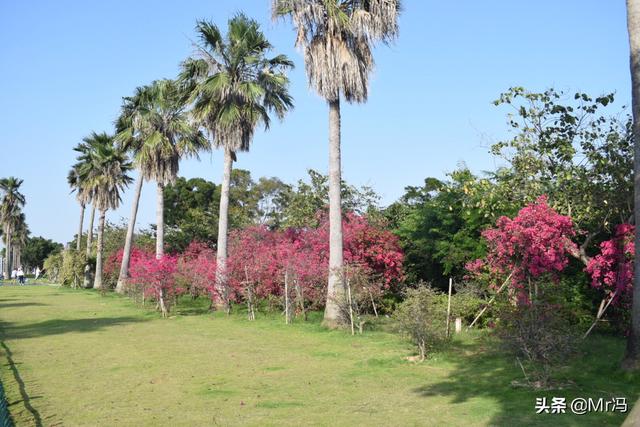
535	244
362	290
53	266
196	270
422	318
260	256
112	264
72	269
467	302
612	268
540	333
157	278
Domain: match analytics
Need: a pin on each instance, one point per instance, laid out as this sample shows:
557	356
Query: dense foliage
422	319
262	256
536	242
36	250
612	268
156	278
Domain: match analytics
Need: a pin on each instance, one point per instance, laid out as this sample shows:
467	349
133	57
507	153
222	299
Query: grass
77	358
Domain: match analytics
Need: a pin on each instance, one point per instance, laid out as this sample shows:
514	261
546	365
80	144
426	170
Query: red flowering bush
372	248
536	242
612	268
196	270
111	268
534	245
253	258
157	278
260	257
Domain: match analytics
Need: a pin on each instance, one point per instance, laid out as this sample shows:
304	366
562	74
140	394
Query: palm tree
234	87
103	171
337	37
20	235
90	230
10	206
632	357
81	197
75	181
126	138
159	136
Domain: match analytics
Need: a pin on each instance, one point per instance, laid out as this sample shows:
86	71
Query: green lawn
76	358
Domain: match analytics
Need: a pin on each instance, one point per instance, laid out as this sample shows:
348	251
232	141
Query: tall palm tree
234	87
84	158
127	138
632	357
81	197
337	37
10	208
160	135
103	169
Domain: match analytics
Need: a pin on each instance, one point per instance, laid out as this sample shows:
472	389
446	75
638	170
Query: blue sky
65	65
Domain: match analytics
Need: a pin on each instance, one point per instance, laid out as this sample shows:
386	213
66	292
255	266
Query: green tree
439	225
37	249
191	212
302	203
573	151
337	37
191	207
234	87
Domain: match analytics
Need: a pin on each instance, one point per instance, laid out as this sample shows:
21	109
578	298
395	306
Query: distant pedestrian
37	272
14	274
20	275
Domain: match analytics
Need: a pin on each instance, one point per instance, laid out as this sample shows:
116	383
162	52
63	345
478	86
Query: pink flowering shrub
612	268
157	278
536	242
111	268
261	257
372	248
196	270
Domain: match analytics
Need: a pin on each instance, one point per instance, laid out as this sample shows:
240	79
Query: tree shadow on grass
481	371
188	306
20	304
62	326
26	400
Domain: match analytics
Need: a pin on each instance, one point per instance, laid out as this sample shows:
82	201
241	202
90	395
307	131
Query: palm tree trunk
7	253
335	288
126	253
160	222
223	224
78	242
97	283
632	357
90	231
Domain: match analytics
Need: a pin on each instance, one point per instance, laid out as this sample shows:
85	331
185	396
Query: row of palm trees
228	88
12	220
